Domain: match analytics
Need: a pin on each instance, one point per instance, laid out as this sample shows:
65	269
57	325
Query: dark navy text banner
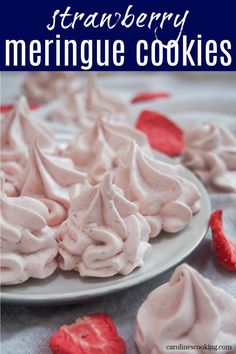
118	35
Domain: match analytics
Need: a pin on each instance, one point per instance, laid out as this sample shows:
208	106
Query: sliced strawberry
148	96
5	108
224	248
163	134
94	334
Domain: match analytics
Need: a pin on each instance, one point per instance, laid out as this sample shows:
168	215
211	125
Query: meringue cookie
211	154
163	195
18	131
44	86
7	187
28	247
95	150
99	101
104	233
53	180
82	105
69	108
189	310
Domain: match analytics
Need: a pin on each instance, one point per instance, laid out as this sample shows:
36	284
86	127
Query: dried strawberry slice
5	108
224	248
94	334
148	96
163	134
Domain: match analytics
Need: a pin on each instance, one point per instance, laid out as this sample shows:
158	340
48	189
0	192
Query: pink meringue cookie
28	247
7	187
82	105
95	150
104	234
211	154
44	86
53	180
69	108
188	310
18	131
98	101
163	195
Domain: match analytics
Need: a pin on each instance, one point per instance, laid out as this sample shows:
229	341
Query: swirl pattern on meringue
104	234
53	180
69	108
82	105
18	131
189	310
7	187
44	86
163	195
211	154
28	247
95	150
98	101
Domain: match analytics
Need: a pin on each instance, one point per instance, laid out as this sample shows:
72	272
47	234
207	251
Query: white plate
67	287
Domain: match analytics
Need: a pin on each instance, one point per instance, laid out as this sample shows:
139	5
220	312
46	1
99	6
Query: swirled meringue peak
163	195
211	154
28	247
104	234
53	180
82	105
44	86
98	101
18	131
189	310
7	187
69	108
95	150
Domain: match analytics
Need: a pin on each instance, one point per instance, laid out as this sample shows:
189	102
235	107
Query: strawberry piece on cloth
5	108
163	134
149	96
93	334
224	248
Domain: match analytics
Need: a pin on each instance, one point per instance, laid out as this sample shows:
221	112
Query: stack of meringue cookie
92	206
68	101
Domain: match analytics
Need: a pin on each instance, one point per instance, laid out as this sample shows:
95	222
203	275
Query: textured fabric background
195	97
